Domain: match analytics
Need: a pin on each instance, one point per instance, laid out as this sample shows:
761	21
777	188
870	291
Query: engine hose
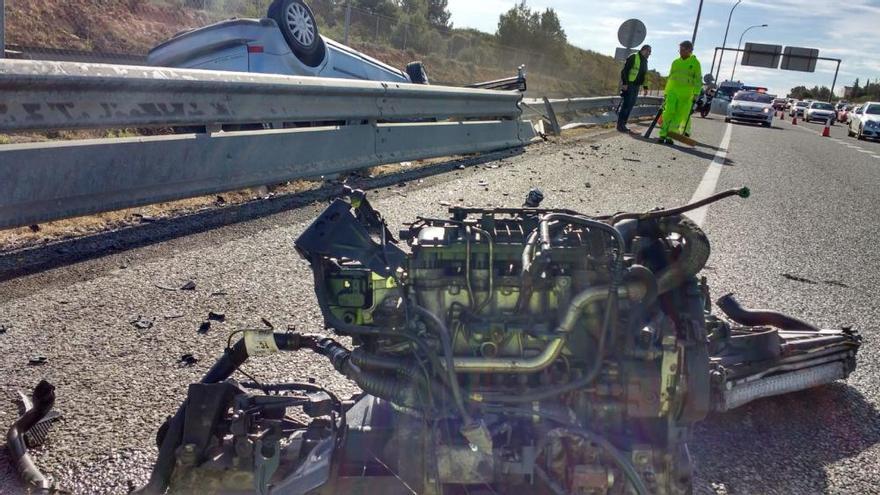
410	370
446	341
742	192
43	400
370	382
760	317
694	255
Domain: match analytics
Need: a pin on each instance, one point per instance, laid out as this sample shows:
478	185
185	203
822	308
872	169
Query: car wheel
298	25
860	136
766	124
416	72
727	119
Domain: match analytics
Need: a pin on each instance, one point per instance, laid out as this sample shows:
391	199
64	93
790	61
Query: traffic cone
827	131
794	120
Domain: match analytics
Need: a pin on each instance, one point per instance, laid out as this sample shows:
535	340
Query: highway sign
761	55
800	59
632	33
621	54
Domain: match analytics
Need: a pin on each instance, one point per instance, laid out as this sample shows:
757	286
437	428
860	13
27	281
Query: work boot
622	128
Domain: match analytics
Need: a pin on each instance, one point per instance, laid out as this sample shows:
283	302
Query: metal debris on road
39	432
795	278
16	437
221	317
142	323
187	360
188	286
38	360
4	328
205	327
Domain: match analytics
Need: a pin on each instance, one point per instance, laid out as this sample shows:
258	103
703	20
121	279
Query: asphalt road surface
804	243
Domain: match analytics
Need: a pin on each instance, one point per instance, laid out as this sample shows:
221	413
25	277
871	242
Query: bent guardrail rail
314	127
574	112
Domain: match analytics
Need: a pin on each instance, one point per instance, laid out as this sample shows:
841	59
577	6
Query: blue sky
845	29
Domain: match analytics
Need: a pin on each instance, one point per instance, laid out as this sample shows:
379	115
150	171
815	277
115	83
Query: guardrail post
551	114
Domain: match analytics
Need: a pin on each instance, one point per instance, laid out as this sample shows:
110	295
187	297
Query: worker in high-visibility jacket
684	83
631	79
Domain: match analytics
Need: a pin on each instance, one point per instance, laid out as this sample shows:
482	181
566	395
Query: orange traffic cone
827	131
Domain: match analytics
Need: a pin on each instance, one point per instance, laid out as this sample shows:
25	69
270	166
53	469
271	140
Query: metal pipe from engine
636	290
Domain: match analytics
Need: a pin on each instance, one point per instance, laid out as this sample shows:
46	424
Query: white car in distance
751	106
820	111
864	121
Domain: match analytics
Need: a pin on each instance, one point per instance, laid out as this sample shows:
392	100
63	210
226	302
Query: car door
854	119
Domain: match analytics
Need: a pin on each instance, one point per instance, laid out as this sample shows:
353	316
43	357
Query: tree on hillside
550	29
522	27
387	8
439	14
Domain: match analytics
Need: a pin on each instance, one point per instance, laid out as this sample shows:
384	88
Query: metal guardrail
314	126
303	127
574	112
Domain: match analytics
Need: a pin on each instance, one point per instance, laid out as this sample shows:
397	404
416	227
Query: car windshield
801	104
822	106
873	110
755	97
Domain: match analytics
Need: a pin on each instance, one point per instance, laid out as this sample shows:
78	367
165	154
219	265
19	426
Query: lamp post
697	23
736	59
724	43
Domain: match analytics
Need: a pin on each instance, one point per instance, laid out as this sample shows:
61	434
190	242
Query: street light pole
697	24
724	43
738	46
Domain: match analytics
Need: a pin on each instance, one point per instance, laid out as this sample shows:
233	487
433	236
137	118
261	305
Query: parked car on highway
798	108
864	121
779	104
843	114
820	111
751	106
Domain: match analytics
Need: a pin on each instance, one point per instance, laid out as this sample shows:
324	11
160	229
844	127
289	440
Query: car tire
860	136
416	72
727	119
298	25
766	124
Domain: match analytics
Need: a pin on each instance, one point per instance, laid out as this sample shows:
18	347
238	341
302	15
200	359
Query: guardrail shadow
783	444
37	259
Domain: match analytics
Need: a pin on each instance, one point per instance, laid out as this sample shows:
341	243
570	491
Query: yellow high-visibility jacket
685	76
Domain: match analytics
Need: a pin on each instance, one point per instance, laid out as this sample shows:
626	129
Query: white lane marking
710	178
864	151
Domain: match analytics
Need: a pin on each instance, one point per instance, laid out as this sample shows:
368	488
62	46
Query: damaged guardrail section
255	129
567	113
